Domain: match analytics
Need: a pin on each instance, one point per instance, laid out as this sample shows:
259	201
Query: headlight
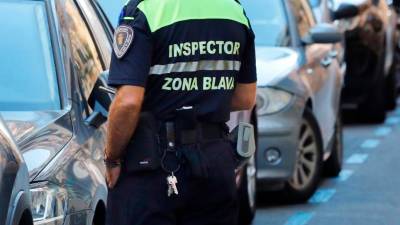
271	100
49	204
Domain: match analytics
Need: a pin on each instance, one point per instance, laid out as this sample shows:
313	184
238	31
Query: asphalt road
367	191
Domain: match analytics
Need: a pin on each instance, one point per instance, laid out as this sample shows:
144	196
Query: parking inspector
180	67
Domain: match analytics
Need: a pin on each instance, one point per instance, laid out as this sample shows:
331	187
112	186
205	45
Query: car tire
26	218
247	194
391	87
308	168
333	165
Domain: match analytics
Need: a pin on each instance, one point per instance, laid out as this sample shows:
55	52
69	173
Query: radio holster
143	152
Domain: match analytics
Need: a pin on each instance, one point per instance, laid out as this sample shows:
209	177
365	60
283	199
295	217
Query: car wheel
333	165
26	218
307	174
99	217
247	194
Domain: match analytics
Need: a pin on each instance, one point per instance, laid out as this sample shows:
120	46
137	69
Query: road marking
383	131
301	218
357	158
392	120
322	196
370	143
344	175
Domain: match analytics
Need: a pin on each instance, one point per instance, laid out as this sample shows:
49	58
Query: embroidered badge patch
123	38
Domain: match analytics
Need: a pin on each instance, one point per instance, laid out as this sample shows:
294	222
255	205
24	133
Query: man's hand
112	176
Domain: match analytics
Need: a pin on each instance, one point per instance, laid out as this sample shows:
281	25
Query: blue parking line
301	218
357	158
370	143
392	120
322	196
383	131
344	175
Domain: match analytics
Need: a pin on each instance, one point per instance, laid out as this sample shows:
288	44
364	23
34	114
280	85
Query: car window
99	31
112	9
303	15
28	79
269	22
315	3
86	60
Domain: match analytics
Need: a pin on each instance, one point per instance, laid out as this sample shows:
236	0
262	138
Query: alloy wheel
307	158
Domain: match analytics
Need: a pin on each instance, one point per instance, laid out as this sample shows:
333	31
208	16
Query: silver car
15	199
51	63
299	88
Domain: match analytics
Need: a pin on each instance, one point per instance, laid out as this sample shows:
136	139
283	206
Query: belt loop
170	134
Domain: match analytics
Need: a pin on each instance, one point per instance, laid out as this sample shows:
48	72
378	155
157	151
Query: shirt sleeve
132	68
248	72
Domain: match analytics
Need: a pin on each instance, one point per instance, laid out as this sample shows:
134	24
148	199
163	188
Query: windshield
28	80
112	8
268	20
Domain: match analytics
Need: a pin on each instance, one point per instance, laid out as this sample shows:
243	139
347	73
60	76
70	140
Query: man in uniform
171	55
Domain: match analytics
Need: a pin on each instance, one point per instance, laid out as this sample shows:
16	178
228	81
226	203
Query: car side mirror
100	100
323	34
345	10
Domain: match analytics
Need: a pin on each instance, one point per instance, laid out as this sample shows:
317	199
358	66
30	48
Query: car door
86	60
319	72
7	177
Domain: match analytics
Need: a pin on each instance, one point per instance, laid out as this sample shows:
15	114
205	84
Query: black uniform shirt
185	53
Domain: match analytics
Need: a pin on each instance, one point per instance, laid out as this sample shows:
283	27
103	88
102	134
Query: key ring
163	158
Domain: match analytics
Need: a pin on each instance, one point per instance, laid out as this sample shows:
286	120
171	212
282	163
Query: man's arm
122	120
244	97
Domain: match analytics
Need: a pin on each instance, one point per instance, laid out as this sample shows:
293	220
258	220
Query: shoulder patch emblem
123	38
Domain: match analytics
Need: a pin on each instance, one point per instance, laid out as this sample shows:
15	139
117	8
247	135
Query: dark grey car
14	189
370	35
51	57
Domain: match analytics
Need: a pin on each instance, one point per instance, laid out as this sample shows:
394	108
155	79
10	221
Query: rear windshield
28	80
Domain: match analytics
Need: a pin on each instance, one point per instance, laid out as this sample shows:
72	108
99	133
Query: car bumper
279	131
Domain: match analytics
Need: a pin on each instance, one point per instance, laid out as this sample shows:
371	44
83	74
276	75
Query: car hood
275	64
39	135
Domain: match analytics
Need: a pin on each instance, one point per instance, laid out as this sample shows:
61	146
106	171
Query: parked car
52	55
246	175
15	201
299	88
371	37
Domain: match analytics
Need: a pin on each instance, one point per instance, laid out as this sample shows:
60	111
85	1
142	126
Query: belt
202	132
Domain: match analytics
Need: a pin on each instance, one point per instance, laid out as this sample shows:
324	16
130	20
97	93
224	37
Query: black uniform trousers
141	198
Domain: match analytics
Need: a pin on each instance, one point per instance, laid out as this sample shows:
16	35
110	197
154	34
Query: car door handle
108	90
326	62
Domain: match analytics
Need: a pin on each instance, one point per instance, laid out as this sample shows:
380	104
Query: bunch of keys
172	181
